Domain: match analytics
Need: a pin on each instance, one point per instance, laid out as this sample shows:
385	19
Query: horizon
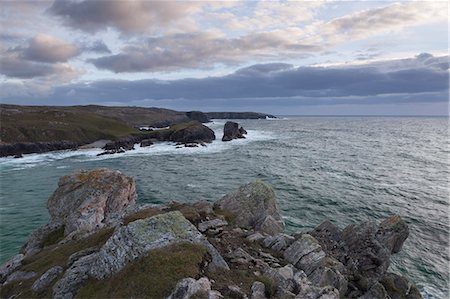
281	57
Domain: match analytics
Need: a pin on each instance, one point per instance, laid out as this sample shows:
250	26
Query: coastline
235	238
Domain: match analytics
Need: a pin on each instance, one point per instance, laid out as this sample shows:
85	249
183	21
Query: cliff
99	244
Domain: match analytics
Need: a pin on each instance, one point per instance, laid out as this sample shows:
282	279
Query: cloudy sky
280	57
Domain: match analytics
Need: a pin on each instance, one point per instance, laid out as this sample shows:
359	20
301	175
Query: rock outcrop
20	148
232	131
253	206
245	256
88	200
193	132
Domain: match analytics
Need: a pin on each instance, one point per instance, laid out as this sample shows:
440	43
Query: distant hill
238	115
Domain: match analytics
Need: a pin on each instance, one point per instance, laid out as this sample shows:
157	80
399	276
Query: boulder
146	142
251	206
305	253
392	233
125	144
278	242
35	241
231	131
88	200
367	259
398	287
192	132
258	291
74	278
191	288
134	240
19	275
10	266
46	279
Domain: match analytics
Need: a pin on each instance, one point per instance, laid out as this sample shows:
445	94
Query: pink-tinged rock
88	200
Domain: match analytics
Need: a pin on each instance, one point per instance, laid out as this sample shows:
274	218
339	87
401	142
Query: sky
278	57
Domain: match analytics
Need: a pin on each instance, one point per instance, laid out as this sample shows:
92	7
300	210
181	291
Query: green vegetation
58	254
50	256
54	125
53	237
153	276
141	214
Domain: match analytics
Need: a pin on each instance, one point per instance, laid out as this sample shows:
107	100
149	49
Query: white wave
160	148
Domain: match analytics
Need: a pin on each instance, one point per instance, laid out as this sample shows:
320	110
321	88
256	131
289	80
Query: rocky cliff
99	244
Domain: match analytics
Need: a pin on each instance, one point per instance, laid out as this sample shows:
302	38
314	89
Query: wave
160	148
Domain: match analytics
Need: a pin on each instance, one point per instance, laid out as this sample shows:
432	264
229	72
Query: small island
100	244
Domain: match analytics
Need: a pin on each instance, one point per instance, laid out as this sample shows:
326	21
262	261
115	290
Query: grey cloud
415	79
12	66
197	50
97	46
126	16
45	48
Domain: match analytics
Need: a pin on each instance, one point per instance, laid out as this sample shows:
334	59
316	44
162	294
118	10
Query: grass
55	125
153	276
50	256
53	237
142	214
58	254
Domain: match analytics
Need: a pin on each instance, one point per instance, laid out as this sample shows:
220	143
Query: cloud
423	78
97	46
46	48
125	16
367	23
199	50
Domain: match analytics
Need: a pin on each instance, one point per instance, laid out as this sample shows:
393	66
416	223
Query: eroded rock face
46	279
10	266
89	200
231	131
254	206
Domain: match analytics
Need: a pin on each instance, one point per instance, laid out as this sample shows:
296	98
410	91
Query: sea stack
232	131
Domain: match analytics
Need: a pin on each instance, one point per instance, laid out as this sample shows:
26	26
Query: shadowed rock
231	131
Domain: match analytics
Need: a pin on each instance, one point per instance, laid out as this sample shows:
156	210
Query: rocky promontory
100	244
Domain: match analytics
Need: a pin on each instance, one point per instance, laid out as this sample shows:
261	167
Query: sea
344	169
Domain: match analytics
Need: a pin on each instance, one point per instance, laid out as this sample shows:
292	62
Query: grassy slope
81	124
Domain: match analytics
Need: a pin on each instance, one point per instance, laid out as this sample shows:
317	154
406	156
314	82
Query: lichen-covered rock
189	287
74	278
20	275
133	241
258	291
251	205
88	200
10	266
46	279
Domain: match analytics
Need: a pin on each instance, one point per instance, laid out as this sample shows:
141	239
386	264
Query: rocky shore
39	129
100	244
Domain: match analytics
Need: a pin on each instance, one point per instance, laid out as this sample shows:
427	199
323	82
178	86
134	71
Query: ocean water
346	169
